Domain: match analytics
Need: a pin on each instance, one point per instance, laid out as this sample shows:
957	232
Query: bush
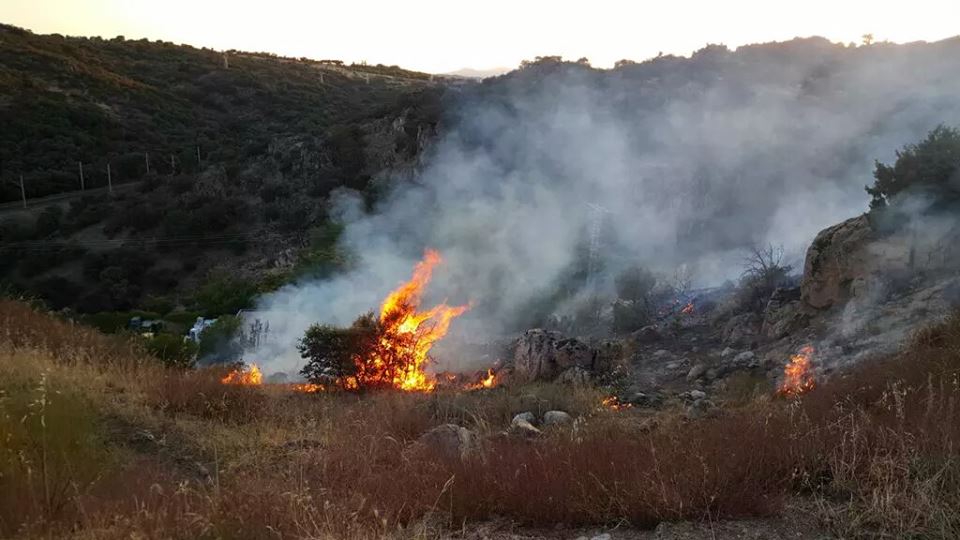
331	352
224	295
636	307
763	273
931	167
172	350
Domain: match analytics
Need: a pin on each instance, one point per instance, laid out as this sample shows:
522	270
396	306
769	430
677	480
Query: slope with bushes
163	452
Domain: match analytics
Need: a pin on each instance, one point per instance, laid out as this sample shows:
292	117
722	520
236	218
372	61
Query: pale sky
445	35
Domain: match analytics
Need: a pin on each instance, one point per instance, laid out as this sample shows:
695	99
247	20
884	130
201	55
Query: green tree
330	351
931	166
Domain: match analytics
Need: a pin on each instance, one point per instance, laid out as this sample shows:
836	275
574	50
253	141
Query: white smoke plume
691	160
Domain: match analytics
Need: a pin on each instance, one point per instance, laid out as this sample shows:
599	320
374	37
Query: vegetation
929	168
873	452
330	352
216	160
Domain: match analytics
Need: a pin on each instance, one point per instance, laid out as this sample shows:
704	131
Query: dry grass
876	450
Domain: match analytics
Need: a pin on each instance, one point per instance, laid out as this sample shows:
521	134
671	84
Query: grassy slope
876	452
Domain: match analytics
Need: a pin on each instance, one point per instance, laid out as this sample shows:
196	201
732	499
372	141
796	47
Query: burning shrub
389	351
331	352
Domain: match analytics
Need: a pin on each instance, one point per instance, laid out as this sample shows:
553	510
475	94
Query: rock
523	427
662	354
543	355
741	330
744	359
647	335
557	418
836	258
575	376
727	353
698	408
696	372
449	440
535	355
528	417
697	395
673	365
711	374
783	314
571	352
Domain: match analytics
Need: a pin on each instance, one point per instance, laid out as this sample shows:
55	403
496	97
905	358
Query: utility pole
146	158
321	78
82	186
199	163
23	192
226	61
109	180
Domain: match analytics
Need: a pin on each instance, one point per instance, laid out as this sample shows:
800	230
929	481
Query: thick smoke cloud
691	161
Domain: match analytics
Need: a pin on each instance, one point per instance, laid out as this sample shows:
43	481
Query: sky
440	36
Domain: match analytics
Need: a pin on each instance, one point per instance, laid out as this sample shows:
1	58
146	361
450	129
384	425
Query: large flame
798	377
248	376
406	335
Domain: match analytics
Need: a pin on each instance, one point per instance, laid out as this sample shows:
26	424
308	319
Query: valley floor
100	441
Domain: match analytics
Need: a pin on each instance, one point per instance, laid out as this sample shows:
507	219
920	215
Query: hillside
232	156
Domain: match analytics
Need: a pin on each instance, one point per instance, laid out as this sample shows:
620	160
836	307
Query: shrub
931	166
330	352
173	350
224	294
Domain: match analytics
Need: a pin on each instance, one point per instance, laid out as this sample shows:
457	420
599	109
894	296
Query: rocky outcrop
836	263
543	355
856	260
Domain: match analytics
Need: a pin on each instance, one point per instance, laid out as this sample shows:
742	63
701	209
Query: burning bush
331	351
389	351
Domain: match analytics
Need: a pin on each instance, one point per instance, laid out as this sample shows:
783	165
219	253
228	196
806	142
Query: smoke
679	162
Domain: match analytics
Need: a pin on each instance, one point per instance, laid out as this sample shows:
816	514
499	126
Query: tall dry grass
877	450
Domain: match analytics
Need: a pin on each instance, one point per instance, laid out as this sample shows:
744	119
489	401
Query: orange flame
407	335
798	377
613	403
248	376
487	382
687	309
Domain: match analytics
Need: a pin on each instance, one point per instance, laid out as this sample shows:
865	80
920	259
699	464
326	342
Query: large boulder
542	355
836	262
449	441
856	260
535	355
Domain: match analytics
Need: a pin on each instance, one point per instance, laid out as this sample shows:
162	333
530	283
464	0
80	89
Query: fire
687	309
798	375
309	388
613	403
407	335
487	382
247	376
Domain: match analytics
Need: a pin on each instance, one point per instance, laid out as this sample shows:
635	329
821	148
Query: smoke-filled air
543	177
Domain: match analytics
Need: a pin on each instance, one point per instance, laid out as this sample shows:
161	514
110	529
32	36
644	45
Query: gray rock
646	335
696	372
571	352
698	408
527	416
727	353
575	376
557	418
711	374
662	354
522	427
534	355
697	395
449	440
